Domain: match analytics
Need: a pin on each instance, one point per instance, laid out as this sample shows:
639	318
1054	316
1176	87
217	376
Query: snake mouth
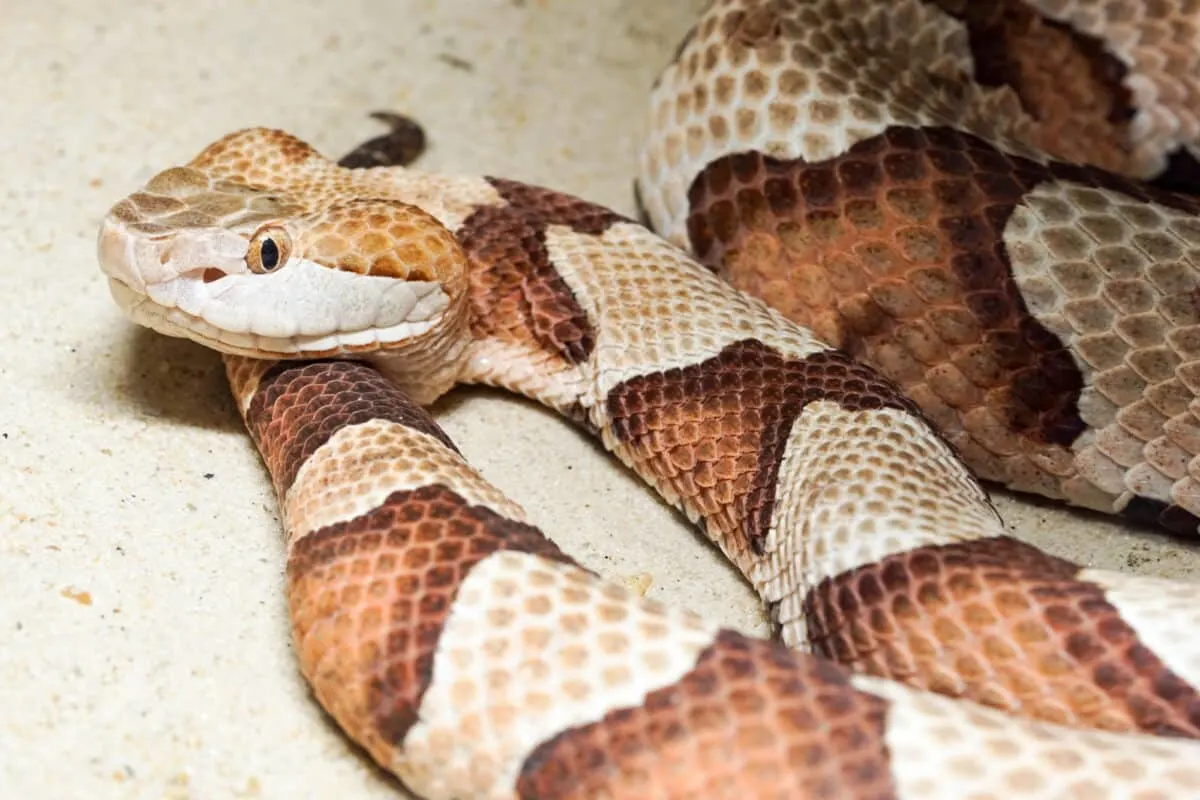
174	321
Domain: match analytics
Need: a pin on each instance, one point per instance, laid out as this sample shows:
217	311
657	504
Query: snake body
941	189
922	653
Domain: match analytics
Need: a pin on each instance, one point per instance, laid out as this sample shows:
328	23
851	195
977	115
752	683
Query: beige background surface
143	640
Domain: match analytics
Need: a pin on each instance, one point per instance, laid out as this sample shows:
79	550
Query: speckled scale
1046	644
894	252
750	720
715	433
521	298
387	581
290	399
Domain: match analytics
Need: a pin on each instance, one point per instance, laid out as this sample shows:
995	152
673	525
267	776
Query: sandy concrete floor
143	641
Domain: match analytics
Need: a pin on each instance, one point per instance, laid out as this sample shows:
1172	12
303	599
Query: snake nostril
212	274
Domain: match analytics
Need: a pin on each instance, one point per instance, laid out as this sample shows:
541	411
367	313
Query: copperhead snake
880	174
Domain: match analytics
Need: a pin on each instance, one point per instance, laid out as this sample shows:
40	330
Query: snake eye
269	250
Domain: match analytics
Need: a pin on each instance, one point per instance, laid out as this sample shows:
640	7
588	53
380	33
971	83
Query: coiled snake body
861	166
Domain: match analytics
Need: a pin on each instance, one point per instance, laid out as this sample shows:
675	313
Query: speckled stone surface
144	651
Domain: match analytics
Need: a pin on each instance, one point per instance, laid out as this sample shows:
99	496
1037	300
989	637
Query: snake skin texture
472	658
943	190
897	243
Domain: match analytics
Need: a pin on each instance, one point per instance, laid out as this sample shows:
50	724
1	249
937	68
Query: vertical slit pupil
269	254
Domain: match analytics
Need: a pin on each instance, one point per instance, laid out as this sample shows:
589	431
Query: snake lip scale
1008	298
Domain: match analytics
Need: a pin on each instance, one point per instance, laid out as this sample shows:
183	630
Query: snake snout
116	254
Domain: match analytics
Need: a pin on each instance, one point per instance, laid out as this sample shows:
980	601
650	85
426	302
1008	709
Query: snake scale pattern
898	246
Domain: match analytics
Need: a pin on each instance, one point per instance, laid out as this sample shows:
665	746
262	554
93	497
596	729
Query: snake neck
428	366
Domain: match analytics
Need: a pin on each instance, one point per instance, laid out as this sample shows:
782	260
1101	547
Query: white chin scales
428	302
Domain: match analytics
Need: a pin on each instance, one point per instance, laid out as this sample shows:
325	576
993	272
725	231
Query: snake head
261	247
